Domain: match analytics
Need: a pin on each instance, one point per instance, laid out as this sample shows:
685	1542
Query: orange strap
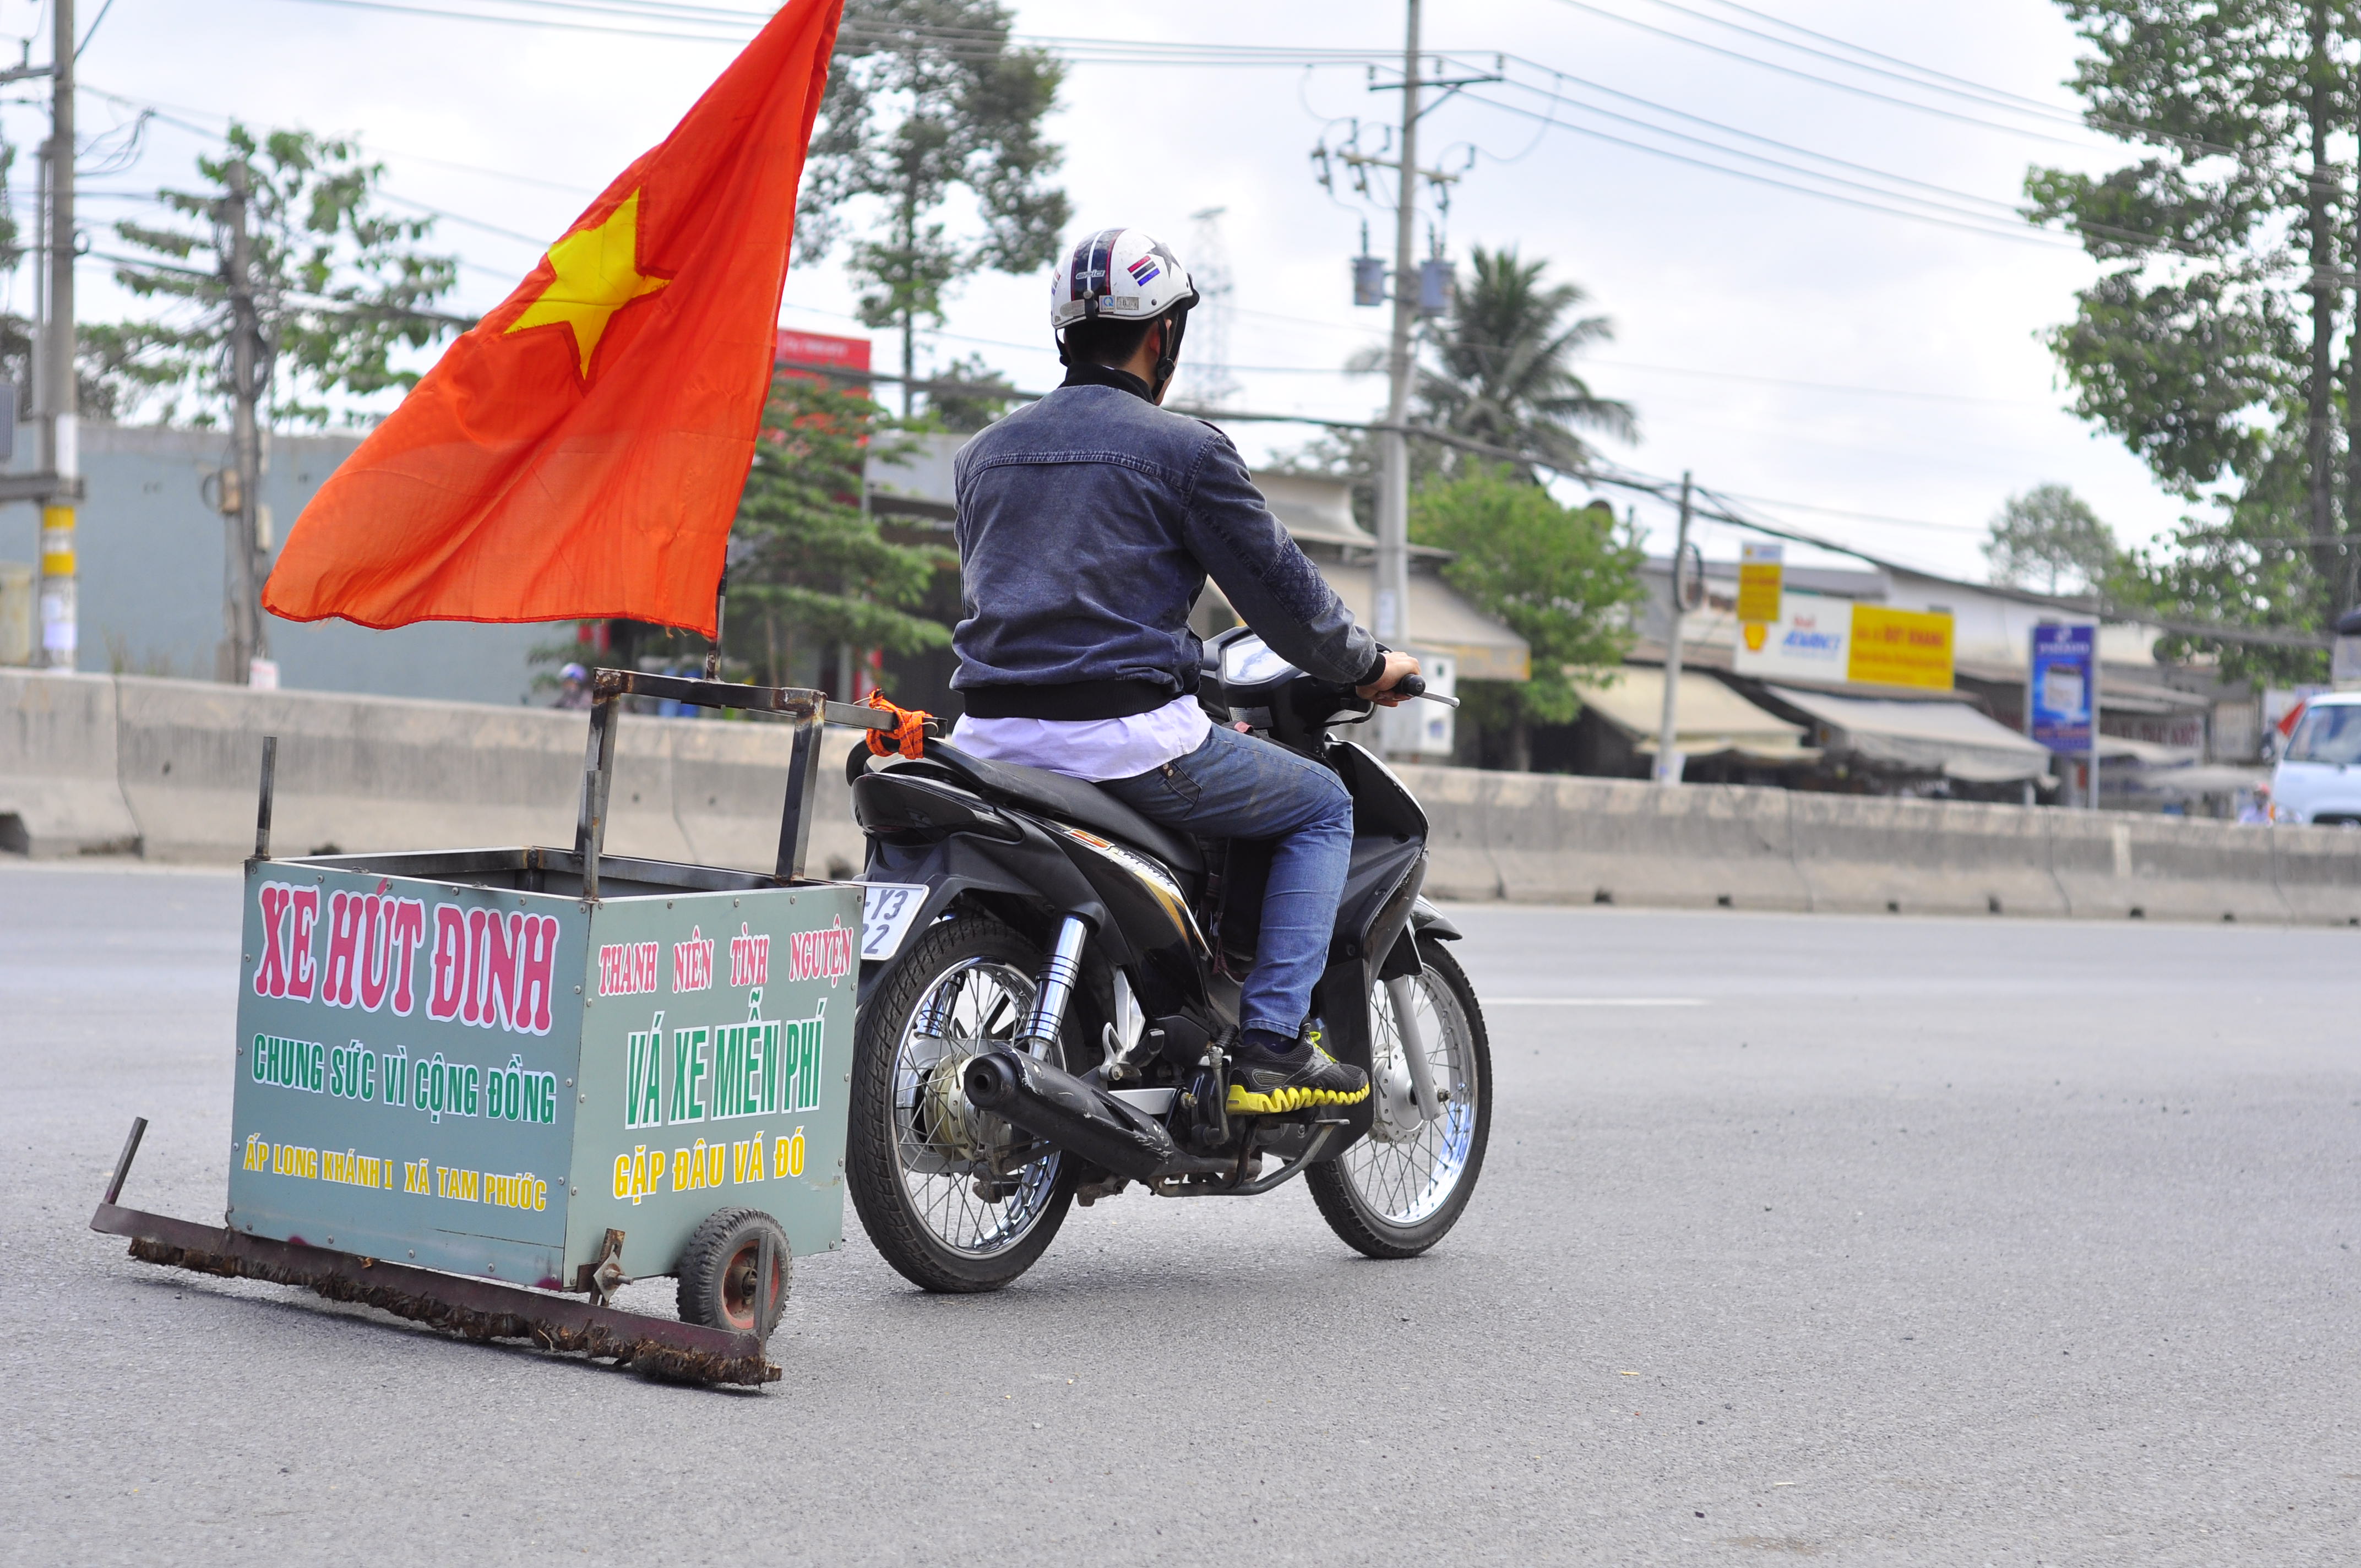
908	735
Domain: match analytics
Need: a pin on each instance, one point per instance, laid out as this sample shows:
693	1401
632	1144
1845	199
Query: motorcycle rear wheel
1399	1191
931	1207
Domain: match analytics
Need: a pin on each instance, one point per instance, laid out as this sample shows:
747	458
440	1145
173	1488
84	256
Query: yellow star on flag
598	273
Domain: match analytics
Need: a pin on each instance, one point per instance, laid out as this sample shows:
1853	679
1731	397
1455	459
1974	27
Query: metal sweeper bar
469	1080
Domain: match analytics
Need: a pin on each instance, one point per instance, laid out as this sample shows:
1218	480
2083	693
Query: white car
2319	774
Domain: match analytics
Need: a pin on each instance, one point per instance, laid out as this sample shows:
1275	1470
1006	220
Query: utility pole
246	641
1392	597
1668	758
61	449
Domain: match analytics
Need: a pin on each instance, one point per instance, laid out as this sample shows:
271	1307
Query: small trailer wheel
717	1271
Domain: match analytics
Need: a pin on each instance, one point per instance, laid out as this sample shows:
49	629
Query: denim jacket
1087	524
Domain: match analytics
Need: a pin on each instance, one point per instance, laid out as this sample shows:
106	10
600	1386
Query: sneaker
1264	1082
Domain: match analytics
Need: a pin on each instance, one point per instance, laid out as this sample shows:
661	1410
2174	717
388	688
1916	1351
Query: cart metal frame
481	1308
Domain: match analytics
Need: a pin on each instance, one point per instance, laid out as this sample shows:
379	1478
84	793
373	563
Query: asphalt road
1879	1241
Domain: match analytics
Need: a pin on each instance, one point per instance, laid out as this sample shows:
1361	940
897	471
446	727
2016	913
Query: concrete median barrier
2318	873
729	788
168	768
1871	853
359	773
1544	838
60	793
2120	865
1459	860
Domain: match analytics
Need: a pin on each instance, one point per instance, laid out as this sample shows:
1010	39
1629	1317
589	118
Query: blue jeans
1239	786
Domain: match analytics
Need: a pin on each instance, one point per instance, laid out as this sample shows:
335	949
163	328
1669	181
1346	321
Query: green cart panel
455	1060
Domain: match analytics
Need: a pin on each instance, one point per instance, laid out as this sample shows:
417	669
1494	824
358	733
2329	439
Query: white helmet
1126	275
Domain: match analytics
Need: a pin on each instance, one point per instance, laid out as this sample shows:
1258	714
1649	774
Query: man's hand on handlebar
1383	690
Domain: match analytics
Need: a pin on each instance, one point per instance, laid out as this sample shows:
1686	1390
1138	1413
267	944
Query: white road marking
1594	1002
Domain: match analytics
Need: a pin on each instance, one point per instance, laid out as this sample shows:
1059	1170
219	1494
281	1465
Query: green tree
805	559
2208	343
923	97
2050	537
1498	370
341	286
975	403
15	331
96	390
1563	579
1502	371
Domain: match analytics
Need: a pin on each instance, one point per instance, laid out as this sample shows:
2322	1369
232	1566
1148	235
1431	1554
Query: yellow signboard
1759	574
1900	648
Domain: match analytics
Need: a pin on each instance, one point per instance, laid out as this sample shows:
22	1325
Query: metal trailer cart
468	1081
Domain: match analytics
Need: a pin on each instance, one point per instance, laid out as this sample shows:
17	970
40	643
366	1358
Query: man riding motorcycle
1087	525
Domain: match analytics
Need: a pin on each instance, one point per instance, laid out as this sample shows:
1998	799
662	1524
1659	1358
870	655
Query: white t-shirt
1092	748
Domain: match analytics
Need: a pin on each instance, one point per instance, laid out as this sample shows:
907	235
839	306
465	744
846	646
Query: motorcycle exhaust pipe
1055	1105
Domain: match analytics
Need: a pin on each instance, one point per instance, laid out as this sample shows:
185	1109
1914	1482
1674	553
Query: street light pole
246	632
61	449
2094	715
1668	761
1392	597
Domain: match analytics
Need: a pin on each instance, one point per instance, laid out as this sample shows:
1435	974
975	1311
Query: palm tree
1502	370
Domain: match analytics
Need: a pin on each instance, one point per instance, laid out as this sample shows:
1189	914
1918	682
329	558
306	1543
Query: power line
1974	91
2023	236
2007	210
537	242
1993	97
970	41
1819	386
1121	51
1874	54
1294	321
92	33
1862	516
1851	87
534	240
168	114
407	10
323	305
1960	218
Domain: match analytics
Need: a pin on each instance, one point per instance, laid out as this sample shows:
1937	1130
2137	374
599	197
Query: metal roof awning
2146	753
1317	512
2203	779
1440	621
1947	738
1713	720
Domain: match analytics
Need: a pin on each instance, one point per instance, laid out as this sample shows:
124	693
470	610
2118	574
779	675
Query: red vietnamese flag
580	451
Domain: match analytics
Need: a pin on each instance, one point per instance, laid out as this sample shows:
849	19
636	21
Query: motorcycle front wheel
935	1180
1399	1191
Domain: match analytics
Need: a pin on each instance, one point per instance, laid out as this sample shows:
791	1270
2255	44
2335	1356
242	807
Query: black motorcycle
1050	984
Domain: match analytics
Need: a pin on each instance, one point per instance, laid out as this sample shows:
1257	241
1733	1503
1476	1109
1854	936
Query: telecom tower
1206	381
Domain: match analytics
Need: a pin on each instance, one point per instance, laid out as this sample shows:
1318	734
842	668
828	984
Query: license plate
889	911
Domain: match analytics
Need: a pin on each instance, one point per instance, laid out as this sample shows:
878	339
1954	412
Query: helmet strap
1176	323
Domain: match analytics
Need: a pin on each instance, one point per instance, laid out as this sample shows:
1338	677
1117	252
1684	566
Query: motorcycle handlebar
1415	686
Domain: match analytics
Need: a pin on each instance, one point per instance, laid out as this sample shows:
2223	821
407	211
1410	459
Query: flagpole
721	601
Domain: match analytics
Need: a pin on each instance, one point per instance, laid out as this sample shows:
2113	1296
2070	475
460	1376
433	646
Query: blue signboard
2065	671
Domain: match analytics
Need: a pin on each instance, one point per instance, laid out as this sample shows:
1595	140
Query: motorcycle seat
1069	800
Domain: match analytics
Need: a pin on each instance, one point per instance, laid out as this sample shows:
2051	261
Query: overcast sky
1871	377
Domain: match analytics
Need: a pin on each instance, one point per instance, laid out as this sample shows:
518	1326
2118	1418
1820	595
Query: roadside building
154	564
2173	737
